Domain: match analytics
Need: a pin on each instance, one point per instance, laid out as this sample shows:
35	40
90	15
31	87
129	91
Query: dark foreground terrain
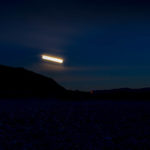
45	125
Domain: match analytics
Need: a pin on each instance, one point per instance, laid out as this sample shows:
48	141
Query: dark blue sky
105	44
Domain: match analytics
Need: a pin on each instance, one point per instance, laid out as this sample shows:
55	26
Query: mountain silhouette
123	94
21	82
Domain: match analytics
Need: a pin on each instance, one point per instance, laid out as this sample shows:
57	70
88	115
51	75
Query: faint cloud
48	66
88	78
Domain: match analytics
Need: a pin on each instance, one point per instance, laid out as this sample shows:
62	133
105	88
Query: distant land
22	83
19	82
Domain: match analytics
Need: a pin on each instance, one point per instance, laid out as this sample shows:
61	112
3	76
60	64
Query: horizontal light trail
53	59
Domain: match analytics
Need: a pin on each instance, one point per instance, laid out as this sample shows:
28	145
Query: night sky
105	44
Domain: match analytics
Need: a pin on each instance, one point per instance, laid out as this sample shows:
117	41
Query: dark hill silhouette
123	93
20	82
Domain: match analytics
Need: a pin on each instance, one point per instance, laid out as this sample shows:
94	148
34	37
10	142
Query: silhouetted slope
21	82
18	82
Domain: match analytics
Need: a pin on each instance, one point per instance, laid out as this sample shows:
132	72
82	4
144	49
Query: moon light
53	59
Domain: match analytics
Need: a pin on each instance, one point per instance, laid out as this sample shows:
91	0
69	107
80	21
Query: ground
50	124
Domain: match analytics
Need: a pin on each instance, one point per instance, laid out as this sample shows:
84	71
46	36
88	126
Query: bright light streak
53	59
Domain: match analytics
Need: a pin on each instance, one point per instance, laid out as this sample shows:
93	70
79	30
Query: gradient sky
105	44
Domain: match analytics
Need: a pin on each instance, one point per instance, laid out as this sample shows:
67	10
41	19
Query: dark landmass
123	94
21	83
18	82
29	123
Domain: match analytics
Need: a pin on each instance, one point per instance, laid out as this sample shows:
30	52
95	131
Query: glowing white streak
53	59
